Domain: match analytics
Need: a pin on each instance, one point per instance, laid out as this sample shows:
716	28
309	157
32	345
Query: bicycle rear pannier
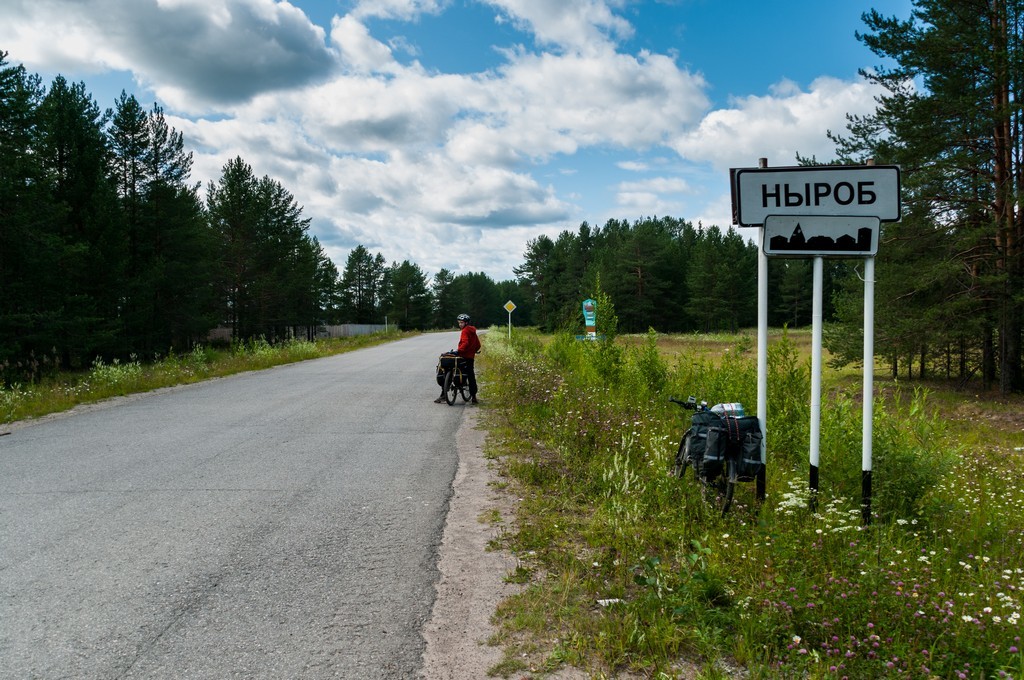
703	446
745	447
445	363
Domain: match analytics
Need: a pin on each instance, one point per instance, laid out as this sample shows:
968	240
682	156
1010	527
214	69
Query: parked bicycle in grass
722	445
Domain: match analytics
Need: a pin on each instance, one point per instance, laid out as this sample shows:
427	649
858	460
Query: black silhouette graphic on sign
845	243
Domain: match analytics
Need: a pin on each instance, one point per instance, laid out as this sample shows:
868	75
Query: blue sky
451	132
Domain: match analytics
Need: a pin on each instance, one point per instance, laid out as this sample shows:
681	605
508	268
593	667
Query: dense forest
108	249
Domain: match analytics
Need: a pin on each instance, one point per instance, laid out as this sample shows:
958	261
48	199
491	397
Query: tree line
105	247
108	249
662	273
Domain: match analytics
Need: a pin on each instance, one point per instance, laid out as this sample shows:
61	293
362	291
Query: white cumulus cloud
776	126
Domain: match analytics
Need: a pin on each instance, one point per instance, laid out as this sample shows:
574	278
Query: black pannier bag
445	363
745	447
695	448
715	452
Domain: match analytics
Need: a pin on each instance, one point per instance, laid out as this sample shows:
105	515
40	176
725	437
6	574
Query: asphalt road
276	524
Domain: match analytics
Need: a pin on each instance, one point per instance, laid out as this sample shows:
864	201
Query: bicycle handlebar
689	404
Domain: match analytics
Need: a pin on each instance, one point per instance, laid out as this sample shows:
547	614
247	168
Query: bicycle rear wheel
464	387
730	487
718	491
723	488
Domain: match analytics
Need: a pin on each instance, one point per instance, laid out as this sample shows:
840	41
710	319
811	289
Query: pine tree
82	313
179	247
444	307
959	142
536	275
476	294
28	243
362	286
230	204
408	297
640	276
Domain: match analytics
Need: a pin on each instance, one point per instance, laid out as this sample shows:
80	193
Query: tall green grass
633	570
61	391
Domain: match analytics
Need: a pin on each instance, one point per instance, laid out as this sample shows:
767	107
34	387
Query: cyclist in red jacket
469	346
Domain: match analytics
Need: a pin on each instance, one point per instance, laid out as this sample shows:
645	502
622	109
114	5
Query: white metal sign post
510	307
818	212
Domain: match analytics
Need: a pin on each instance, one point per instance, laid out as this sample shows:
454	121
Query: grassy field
627	571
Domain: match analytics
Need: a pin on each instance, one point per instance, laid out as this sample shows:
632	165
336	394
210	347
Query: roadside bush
646	369
115	377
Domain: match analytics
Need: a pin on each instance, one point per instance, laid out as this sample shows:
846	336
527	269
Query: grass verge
632	572
62	391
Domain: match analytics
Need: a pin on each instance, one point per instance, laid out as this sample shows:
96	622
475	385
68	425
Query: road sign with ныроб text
840	190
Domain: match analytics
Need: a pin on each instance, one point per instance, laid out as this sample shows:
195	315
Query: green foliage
658	272
407	300
789	389
607	320
12	400
273	276
362	286
911	455
648	370
116	377
931	588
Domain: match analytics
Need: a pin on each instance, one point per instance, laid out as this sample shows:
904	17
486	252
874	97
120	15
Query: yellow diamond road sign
510	306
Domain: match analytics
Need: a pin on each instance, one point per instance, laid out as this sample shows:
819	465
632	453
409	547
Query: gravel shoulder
472	577
471	583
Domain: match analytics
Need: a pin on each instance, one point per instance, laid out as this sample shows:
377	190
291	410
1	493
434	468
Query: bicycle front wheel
450	388
682	460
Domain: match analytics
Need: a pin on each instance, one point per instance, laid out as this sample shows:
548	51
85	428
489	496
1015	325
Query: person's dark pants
468	370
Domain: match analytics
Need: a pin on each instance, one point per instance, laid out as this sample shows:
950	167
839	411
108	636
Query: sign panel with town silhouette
821	235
